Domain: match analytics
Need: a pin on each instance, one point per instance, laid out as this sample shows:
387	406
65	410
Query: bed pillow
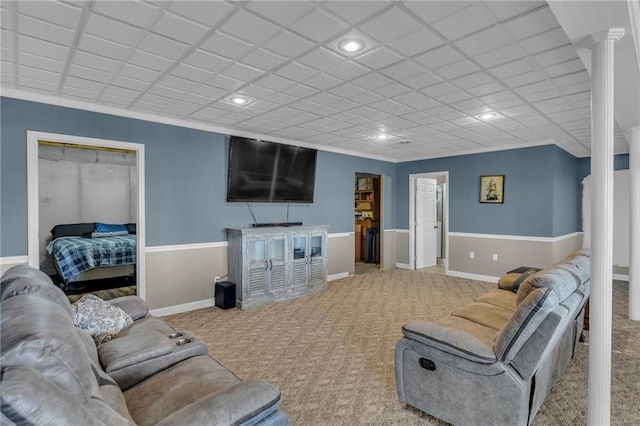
108	234
131	227
110	227
100	319
72	230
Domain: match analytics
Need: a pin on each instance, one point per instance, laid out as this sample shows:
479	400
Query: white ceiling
428	71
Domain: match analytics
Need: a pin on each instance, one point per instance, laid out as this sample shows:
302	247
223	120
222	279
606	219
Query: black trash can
225	295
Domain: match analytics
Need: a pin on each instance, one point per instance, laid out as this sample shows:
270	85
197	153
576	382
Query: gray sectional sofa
494	361
149	373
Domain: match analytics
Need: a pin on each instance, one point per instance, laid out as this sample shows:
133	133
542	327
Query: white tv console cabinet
271	264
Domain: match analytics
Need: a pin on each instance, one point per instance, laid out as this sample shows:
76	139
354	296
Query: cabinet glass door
300	261
257	267
277	264
316	260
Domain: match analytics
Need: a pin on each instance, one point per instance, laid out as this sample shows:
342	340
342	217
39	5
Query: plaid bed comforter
76	254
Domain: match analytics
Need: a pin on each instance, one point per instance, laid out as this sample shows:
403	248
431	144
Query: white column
634	225
602	46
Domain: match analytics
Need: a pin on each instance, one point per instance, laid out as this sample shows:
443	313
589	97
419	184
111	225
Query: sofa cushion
133	306
129	350
525	320
99	318
485	314
506	281
562	278
500	298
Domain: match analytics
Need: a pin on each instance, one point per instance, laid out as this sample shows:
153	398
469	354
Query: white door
426	222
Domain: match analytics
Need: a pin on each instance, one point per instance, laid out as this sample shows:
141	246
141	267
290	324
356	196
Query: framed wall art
492	189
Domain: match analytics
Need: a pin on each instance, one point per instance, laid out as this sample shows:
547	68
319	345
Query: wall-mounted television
261	171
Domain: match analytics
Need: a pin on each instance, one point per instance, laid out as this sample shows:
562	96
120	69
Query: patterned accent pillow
100	319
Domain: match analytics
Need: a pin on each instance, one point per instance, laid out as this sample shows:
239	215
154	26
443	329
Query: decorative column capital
614	34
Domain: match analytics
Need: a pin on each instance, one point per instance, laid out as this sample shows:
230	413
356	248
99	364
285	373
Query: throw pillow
100	319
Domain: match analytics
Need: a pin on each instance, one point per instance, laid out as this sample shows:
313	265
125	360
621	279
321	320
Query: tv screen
263	171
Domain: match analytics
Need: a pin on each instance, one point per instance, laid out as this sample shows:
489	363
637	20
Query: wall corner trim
183	307
476	277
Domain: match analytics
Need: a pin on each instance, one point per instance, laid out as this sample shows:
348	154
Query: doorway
368	211
41	146
429	220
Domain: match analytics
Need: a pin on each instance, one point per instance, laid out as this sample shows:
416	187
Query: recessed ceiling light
238	100
383	136
488	116
351	45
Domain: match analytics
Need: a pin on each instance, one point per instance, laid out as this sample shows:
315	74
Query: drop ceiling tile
296	72
227	46
194	98
402	70
545	41
42	48
111	29
44	30
282	12
300	91
263	59
207	61
288	44
379	58
40	62
89	73
255	92
372	81
439	89
499	56
524	79
115	100
168	92
74	92
38	74
438	58
96	62
319	26
422	80
224	82
465	21
248	27
345	105
163	46
570	79
179	28
484	41
390	25
321	59
209	13
192	73
577	88
392	90
135	13
456	96
322	81
540	96
513	68
508	9
149	60
178	83
130	83
148	107
456	69
416	42
102	47
565	68
472	80
556	56
532	24
242	72
355	11
433	11
347	70
66	15
345	90
273	82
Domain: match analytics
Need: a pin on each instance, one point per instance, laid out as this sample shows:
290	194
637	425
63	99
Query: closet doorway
92	175
369	213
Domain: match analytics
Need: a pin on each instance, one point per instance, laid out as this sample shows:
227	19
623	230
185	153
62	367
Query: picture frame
492	189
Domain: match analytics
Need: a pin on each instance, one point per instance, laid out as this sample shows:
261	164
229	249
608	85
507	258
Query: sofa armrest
133	306
451	340
235	405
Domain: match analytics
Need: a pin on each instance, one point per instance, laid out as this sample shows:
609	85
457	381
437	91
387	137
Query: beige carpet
332	354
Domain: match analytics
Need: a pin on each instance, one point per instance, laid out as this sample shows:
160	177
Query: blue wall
185	178
539	193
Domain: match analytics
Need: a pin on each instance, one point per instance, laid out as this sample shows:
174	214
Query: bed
88	251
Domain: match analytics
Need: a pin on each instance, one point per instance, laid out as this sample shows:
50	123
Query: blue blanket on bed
75	255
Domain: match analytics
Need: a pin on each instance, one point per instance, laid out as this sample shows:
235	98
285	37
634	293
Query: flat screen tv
261	171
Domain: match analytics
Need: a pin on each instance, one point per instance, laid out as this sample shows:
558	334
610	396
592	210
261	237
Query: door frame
444	175
381	177
33	207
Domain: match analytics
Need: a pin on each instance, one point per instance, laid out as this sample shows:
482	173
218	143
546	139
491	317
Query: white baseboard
403	266
184	307
621	277
476	277
14	260
339	276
